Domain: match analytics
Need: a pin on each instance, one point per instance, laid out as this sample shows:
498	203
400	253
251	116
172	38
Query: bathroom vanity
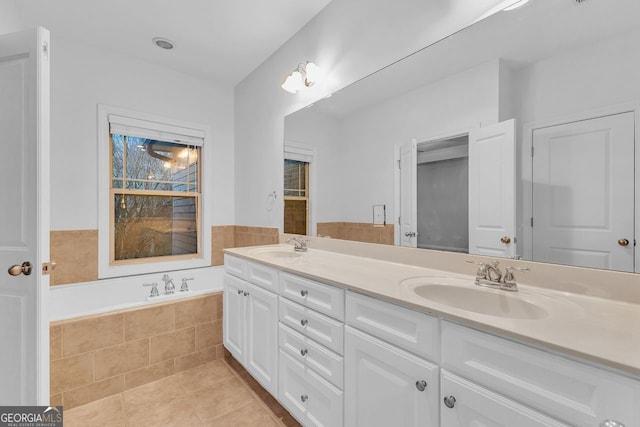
347	340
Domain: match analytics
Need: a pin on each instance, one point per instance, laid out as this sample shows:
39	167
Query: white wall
596	76
349	39
10	17
83	77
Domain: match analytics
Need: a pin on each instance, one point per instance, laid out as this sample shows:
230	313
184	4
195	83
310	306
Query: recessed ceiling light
163	43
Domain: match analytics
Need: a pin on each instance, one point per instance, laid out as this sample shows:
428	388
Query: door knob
410	234
506	239
421	385
623	242
25	268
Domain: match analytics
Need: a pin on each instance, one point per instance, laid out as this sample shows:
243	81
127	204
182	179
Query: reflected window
296	197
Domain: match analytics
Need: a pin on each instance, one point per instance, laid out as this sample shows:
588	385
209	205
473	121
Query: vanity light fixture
305	75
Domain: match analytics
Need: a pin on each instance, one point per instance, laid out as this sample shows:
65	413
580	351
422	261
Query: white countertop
604	331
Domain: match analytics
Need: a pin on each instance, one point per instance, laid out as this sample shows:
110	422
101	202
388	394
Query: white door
234	316
408	164
262	337
385	386
24	213
465	404
492	184
583	193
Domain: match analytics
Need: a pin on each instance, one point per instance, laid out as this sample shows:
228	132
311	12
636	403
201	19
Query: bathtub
85	299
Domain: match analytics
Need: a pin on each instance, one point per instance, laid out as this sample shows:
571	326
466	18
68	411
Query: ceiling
218	40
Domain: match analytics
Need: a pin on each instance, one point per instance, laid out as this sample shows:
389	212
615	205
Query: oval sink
276	252
486	301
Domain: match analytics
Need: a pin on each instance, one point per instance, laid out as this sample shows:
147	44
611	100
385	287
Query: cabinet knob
239	291
304	293
304	322
246	294
304	397
304	352
611	423
450	401
421	385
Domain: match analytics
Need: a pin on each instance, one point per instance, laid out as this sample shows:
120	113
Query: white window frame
105	269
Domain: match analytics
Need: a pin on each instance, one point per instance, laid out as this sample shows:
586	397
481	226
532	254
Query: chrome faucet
169	287
300	245
185	286
489	275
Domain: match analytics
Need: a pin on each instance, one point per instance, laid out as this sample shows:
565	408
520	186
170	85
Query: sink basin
463	295
276	252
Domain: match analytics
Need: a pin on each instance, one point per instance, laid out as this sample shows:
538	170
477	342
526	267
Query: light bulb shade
294	82
314	73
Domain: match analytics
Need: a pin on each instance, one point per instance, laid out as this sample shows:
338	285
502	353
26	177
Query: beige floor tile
221	399
103	412
153	395
178	413
252	415
204	376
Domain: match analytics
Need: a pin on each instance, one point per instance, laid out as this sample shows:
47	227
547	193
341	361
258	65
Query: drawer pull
304	352
450	401
246	294
421	385
239	291
304	293
304	322
611	423
304	398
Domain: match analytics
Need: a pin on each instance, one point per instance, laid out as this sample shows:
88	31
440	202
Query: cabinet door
325	405
382	385
234	316
292	390
479	407
262	336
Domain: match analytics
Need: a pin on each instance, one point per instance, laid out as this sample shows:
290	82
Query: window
151	211
296	197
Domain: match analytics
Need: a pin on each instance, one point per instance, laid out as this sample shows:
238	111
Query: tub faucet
169	287
185	286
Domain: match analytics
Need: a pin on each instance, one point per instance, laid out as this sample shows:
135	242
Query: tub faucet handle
185	286
154	289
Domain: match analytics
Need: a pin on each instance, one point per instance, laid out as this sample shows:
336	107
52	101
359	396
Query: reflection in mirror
562	76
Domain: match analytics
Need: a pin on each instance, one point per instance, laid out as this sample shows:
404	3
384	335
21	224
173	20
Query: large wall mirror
514	137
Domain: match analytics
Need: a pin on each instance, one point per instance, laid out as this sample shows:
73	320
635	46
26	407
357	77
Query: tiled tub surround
102	355
357	231
548	376
76	251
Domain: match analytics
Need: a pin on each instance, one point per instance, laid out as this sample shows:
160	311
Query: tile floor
207	395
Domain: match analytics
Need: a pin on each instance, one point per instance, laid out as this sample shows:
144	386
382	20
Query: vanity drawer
326	299
235	266
323	361
263	276
323	329
408	329
309	398
565	389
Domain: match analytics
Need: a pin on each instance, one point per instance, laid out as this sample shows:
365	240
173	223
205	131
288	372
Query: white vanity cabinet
467	404
311	366
250	323
387	379
567	390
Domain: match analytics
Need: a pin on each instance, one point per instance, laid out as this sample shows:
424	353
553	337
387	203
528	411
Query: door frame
396	173
526	160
